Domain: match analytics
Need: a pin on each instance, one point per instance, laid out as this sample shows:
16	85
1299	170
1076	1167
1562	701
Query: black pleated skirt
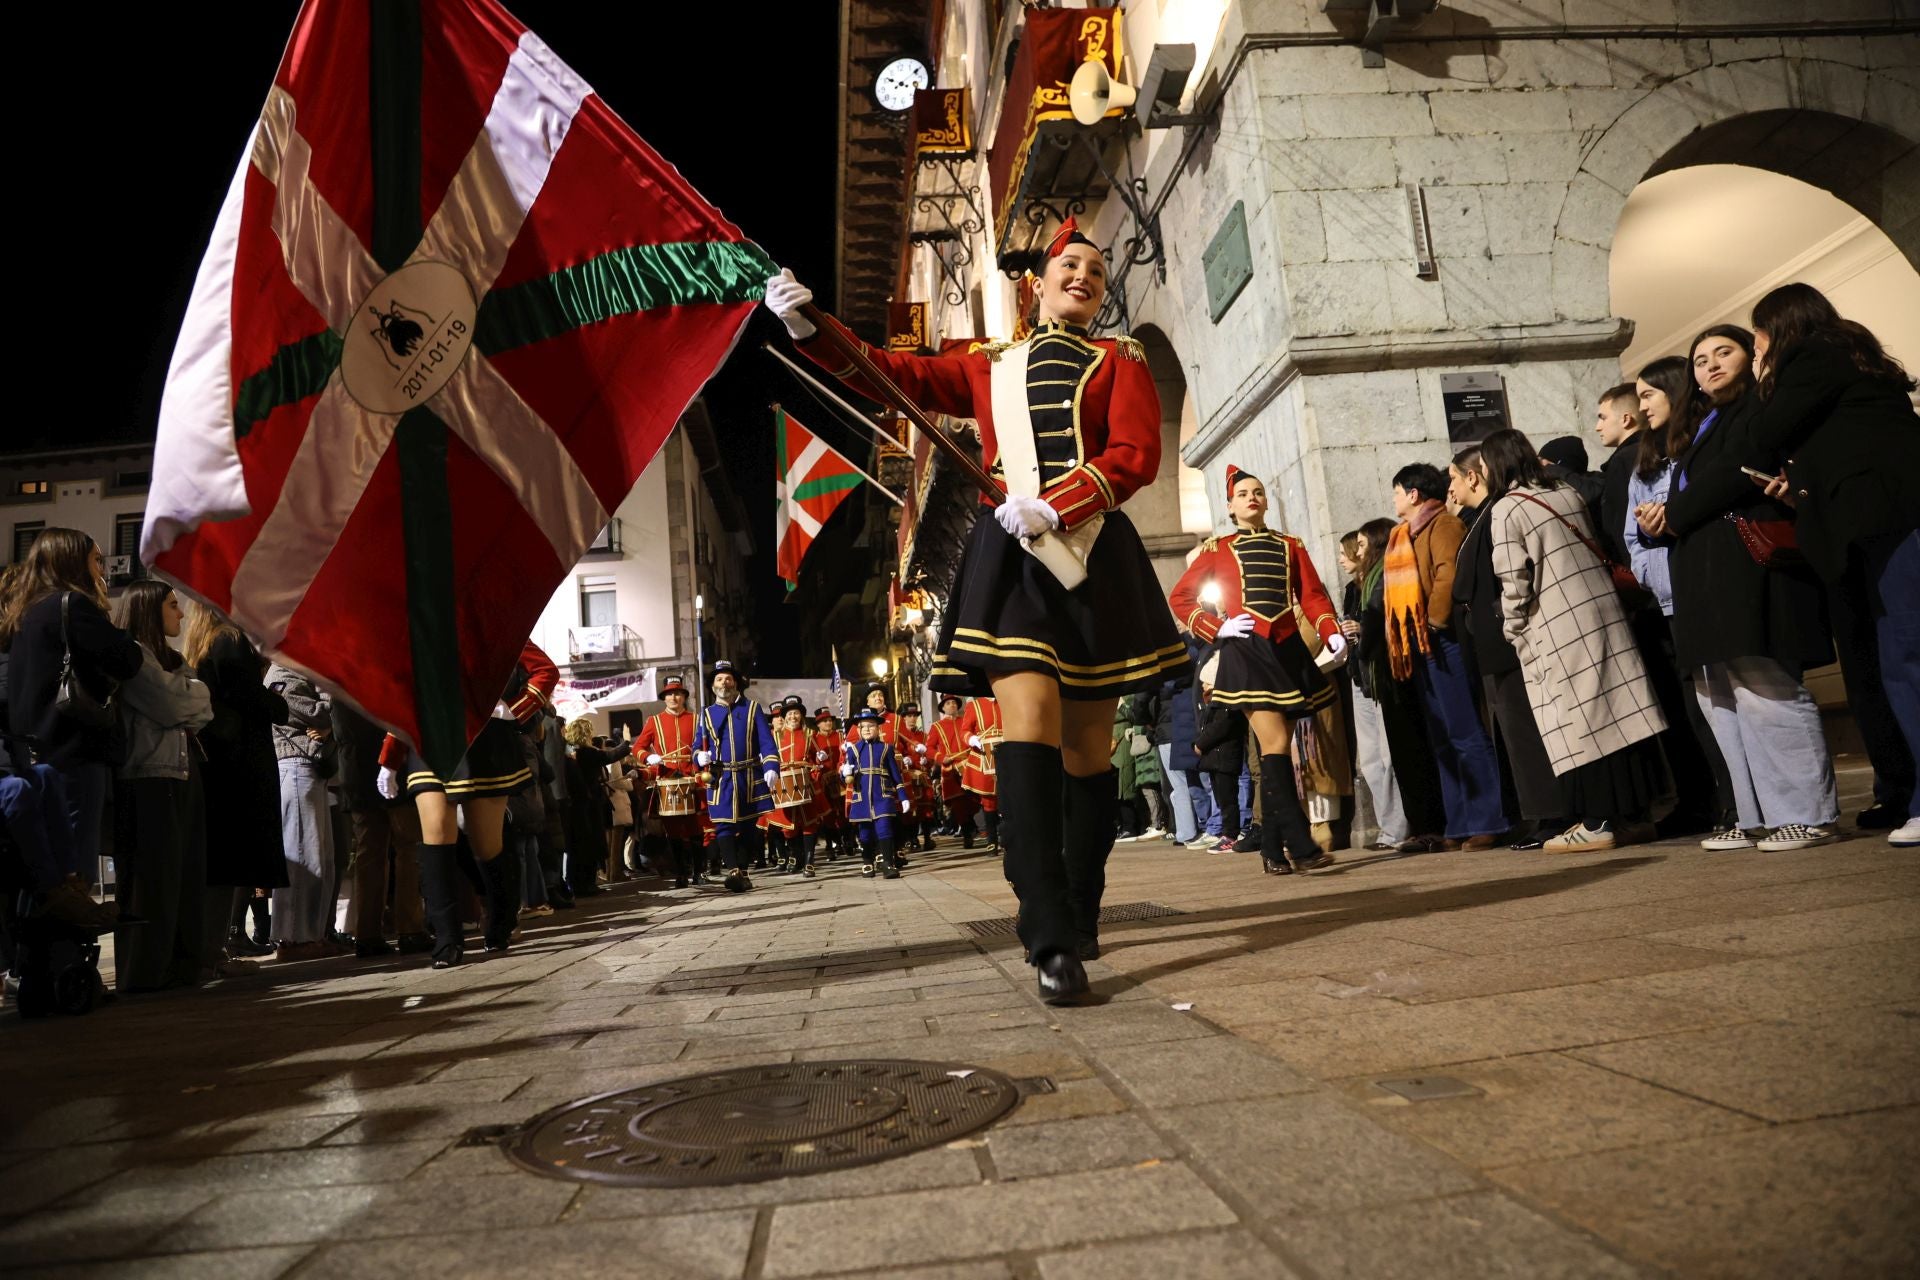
1111	635
1256	674
1622	787
494	766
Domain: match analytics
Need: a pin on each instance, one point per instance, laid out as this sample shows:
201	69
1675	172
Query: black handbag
72	700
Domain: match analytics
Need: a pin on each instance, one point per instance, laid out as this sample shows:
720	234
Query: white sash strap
1064	552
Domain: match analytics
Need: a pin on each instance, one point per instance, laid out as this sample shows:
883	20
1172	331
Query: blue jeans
34	813
1214	818
1469	769
1893	566
86	801
1768	728
1185	825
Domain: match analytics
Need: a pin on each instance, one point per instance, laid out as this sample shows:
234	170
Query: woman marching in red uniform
1269	591
947	751
492	770
1070	424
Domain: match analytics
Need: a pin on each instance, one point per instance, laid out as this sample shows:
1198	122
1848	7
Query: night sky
743	100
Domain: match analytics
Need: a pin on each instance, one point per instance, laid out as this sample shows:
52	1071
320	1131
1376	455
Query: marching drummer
733	743
980	727
910	744
876	794
665	746
947	751
827	750
797	809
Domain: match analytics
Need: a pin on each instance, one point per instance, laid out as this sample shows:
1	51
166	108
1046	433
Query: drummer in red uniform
827	744
979	726
947	753
665	746
794	826
910	743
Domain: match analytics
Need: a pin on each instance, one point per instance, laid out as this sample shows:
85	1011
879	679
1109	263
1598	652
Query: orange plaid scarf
1406	604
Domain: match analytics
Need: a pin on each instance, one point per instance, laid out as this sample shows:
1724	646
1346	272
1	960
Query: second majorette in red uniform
493	769
1270	602
1055	609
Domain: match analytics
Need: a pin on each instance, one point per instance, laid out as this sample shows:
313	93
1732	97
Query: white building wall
642	576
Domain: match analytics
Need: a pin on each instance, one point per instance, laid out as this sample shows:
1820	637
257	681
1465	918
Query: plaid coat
1585	681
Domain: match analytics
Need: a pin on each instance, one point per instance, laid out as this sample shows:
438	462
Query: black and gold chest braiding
1059	363
1265	587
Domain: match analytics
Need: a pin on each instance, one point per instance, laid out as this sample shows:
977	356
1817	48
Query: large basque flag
814	480
451	308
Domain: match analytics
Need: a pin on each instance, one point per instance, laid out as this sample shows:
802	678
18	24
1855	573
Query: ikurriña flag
813	481
451	308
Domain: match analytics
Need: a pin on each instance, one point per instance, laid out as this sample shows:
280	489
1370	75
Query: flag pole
880	381
885	492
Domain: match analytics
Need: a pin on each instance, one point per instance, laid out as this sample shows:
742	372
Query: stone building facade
1524	125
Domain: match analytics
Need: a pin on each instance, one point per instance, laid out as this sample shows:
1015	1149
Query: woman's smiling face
1073	284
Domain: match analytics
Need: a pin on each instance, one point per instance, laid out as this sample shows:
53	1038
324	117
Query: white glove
773	778
1336	644
920	747
785	297
1240	624
846	771
1025	517
974	742
653	758
820	756
906	805
500	712
703	758
388	783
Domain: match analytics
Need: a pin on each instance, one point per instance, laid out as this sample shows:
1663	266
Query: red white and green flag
452	306
813	481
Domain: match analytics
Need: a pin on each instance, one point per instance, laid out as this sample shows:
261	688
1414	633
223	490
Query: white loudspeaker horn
1093	93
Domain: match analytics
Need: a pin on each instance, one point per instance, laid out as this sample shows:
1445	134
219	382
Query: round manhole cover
762	1122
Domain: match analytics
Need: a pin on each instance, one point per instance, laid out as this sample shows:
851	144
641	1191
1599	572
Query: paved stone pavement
1673	1062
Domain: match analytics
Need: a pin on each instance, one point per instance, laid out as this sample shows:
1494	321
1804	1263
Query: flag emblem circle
408	337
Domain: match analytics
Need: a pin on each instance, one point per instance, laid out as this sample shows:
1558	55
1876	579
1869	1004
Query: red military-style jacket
1115	420
1262	572
797	747
915	756
670	737
981	716
947	748
531	688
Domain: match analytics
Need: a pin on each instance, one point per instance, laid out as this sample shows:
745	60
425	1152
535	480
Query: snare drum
794	788
988	741
677	797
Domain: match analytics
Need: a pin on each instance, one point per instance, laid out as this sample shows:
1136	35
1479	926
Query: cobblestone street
1667	1061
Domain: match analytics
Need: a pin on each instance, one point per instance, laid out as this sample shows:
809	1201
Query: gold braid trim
991	350
1130	348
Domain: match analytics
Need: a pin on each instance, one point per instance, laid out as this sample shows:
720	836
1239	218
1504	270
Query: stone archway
1852	131
1157	511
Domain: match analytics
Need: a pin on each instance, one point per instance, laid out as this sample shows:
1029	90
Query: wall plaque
1228	262
1475	405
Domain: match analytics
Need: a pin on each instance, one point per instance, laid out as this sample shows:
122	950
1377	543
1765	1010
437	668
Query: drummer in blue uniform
733	742
876	793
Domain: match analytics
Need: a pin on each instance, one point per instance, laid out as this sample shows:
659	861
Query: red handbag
1773	544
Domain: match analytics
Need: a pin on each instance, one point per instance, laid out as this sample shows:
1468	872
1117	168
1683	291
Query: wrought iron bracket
957	207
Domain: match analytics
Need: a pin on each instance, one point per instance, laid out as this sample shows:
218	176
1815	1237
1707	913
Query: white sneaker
1580	838
1203	842
1731	838
1154	833
1905	837
1795	835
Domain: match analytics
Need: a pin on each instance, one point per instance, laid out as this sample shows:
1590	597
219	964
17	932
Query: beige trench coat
1585	681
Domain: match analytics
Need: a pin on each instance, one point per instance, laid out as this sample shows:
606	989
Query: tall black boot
437	880
741	845
1284	822
993	829
1088	807
804	865
966	832
1031	778
889	863
502	901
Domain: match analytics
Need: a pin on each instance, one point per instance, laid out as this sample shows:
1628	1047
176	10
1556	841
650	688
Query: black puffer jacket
1221	739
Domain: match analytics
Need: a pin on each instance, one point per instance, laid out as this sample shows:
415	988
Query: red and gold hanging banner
918	485
1056	42
943	123
907	326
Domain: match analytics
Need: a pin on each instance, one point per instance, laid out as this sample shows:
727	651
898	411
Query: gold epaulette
991	350
1130	348
1210	546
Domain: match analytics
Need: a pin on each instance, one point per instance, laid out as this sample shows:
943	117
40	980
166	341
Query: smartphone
1761	476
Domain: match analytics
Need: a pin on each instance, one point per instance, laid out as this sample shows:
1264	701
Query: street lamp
880	668
700	643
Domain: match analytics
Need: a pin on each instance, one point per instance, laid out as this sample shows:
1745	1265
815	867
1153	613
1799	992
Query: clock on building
894	87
